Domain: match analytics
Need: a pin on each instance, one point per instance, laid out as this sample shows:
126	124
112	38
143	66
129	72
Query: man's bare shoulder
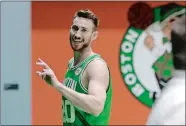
98	73
98	65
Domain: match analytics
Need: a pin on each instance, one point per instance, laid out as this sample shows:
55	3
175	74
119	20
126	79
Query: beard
80	47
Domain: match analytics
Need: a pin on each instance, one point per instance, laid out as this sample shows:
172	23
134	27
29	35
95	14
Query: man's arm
93	102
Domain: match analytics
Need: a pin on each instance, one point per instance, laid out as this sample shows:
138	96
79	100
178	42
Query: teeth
78	41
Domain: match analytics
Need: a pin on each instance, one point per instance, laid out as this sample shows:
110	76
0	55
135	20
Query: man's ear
94	35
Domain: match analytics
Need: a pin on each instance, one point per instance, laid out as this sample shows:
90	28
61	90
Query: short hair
88	14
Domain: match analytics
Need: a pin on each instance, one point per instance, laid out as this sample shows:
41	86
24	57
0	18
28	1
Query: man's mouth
77	41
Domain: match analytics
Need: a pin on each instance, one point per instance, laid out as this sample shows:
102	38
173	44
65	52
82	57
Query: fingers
42	74
42	63
40	60
38	73
46	71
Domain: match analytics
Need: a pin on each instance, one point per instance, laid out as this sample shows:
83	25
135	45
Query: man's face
81	33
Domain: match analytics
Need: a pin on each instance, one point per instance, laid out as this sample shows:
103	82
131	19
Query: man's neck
80	56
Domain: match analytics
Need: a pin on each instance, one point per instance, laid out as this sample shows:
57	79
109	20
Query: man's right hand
47	74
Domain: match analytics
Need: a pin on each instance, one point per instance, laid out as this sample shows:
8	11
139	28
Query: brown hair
88	14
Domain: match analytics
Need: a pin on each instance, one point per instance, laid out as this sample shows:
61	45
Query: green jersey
71	114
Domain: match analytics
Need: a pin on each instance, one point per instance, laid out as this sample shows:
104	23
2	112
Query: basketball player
86	90
169	108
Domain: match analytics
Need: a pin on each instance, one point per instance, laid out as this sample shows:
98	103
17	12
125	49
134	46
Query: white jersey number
68	112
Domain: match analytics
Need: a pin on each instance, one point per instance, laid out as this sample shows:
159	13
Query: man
157	26
169	108
87	88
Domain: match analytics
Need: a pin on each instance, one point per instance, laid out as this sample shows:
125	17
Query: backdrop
50	41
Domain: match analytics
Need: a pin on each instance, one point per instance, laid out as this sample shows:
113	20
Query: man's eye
84	30
75	28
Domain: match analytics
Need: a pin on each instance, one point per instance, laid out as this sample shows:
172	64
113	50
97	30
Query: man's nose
77	35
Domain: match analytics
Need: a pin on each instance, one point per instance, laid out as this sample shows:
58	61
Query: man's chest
76	79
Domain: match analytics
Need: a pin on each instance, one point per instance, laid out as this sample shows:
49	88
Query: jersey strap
84	66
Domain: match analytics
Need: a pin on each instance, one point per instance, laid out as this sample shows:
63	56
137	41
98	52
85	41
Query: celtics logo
77	72
146	52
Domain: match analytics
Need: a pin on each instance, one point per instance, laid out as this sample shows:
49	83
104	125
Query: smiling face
82	33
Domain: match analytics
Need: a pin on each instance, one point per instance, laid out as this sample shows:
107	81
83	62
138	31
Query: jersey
71	114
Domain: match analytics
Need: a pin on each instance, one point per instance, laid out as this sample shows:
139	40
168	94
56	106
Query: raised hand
47	74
